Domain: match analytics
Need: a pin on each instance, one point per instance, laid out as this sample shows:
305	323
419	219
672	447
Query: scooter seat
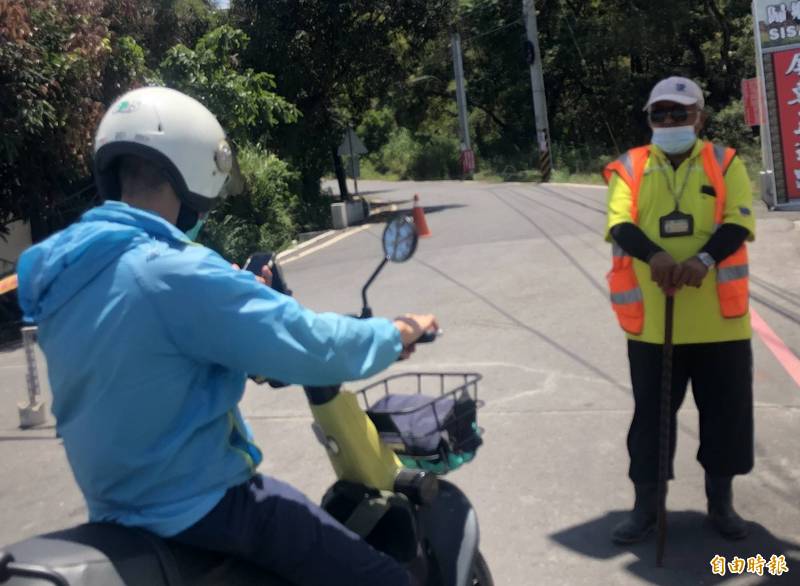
96	554
103	554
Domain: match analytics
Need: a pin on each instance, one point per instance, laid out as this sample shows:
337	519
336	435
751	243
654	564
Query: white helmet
175	132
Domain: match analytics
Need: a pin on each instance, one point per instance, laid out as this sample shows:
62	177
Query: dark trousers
722	383
273	525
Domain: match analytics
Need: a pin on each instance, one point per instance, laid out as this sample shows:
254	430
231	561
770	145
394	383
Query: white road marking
304	245
331	242
587	185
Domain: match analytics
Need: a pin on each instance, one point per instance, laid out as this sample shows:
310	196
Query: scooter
388	456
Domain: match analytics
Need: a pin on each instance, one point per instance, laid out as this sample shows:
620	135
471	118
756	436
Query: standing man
679	214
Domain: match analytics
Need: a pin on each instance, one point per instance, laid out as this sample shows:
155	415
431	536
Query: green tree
158	25
212	72
60	65
600	59
333	59
52	56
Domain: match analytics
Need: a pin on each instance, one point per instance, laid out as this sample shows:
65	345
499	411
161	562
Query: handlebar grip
429	336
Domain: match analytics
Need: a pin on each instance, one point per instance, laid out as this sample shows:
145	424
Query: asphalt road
515	273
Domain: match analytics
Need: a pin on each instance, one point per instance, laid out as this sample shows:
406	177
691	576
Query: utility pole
353	159
461	94
537	84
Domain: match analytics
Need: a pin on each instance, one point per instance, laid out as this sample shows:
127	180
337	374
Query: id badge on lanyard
676	223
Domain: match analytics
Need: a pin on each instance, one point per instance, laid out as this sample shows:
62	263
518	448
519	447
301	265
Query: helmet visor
235	182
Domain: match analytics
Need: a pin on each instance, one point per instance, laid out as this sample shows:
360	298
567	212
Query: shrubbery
405	156
264	216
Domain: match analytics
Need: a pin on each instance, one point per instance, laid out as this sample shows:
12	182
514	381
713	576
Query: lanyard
678	195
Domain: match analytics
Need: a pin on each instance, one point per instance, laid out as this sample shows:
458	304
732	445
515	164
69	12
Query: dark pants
722	383
273	525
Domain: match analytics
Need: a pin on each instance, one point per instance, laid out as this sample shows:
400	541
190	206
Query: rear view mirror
400	239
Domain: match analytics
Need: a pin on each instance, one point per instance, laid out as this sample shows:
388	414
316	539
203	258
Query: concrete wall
18	239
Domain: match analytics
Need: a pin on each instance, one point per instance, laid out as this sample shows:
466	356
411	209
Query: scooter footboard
449	525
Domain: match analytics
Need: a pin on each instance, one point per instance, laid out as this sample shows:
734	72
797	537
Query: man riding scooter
149	338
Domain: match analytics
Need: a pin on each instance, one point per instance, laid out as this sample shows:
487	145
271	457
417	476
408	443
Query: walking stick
664	431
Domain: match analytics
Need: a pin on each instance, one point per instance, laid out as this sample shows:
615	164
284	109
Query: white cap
677	89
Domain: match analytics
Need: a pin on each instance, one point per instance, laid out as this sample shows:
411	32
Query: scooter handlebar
429	336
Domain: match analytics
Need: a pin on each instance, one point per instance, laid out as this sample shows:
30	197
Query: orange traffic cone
419	219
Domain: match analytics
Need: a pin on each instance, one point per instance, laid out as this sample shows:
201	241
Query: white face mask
675	140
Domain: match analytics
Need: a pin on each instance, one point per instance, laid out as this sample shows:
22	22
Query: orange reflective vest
732	273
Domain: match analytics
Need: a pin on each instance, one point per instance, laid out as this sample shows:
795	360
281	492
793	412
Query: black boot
723	518
642	519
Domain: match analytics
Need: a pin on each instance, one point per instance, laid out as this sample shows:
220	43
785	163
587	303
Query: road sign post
352	147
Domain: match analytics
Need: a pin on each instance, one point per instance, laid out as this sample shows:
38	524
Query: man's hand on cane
671	276
662	270
690	272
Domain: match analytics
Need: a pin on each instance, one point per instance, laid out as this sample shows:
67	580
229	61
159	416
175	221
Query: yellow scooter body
354	447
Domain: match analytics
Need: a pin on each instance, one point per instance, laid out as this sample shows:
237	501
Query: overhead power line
494	30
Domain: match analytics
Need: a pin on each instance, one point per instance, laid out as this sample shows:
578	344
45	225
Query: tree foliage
159	25
600	59
334	59
52	55
63	61
286	77
212	72
263	217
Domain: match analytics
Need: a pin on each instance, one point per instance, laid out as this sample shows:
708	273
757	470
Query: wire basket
428	418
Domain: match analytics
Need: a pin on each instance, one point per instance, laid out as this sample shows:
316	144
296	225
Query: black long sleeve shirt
724	242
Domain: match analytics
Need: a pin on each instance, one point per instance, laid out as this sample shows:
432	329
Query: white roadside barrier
32	413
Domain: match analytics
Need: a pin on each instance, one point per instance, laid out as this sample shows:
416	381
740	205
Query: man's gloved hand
690	272
662	270
411	326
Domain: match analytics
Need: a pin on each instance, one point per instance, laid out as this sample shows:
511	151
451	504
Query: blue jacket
148	340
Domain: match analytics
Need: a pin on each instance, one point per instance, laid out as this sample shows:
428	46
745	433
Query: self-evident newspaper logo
779	23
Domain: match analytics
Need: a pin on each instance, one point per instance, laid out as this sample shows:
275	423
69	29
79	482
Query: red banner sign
787	83
752	102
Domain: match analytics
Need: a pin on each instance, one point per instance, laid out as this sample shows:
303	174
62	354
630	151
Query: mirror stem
366	311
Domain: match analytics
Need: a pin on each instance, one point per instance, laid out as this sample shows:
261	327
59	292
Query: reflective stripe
719	154
727	274
627	297
627	163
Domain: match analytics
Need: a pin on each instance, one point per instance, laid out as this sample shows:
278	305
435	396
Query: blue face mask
675	140
194	231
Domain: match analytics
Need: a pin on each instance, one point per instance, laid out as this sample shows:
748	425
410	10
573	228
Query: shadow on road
691	545
31	434
28	438
384	215
374	192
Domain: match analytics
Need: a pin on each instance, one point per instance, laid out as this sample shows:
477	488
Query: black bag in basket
421	426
